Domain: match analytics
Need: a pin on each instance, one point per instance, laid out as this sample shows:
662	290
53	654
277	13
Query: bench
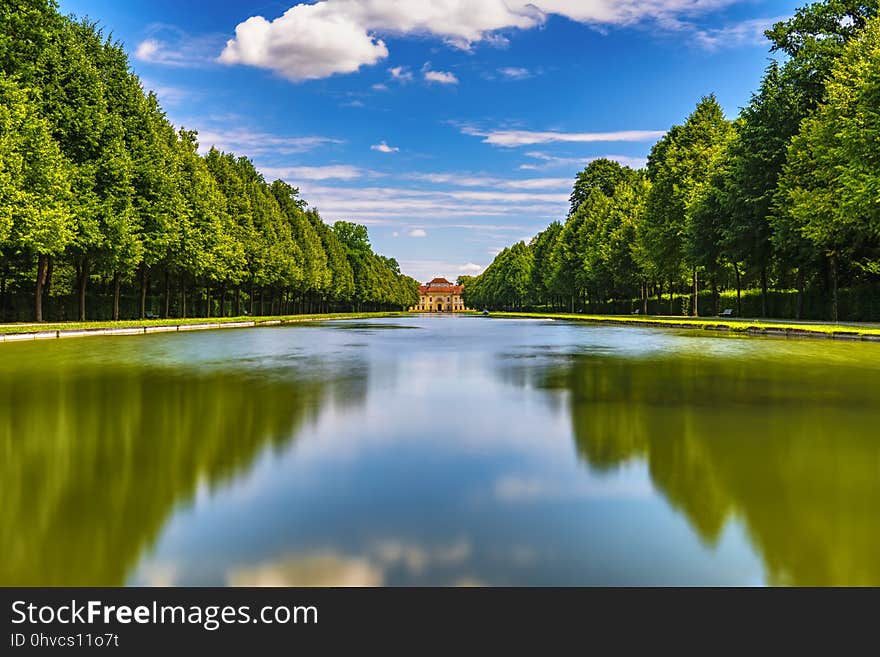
727	312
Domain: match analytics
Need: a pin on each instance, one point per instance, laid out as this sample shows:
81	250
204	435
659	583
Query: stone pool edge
147	329
783	331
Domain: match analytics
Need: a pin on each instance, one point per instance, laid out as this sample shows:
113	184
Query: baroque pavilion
440	296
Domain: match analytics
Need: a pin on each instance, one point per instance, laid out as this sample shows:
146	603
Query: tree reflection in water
96	459
790	450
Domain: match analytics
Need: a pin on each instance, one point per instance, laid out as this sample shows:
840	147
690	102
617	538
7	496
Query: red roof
440	286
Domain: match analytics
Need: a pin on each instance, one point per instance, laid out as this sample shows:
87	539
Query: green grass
10	329
749	326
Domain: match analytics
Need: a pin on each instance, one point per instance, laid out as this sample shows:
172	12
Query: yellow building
440	296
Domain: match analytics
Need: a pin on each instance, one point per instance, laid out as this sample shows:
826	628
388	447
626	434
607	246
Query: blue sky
451	128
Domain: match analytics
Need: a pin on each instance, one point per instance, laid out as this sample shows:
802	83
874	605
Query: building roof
440	286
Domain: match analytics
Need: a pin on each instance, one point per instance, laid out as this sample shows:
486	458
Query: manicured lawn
751	326
9	329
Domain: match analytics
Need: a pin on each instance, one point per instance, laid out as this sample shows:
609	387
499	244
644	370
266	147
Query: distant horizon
449	135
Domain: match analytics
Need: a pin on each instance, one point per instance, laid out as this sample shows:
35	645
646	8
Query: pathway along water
439	450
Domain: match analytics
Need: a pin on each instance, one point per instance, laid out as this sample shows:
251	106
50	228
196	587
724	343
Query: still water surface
439	451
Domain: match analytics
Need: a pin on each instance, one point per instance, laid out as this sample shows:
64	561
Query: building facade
440	296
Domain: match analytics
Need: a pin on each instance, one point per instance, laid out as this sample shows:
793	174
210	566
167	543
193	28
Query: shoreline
750	327
61	330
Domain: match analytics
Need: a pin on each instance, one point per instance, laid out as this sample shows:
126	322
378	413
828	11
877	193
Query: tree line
775	213
100	192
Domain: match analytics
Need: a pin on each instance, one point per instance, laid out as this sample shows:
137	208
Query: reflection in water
788	448
462	451
96	459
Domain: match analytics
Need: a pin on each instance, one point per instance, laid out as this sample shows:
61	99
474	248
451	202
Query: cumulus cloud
418	232
513	138
382	147
471	268
441	77
307	42
339	36
401	73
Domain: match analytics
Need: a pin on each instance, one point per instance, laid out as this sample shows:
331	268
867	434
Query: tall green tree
35	192
831	183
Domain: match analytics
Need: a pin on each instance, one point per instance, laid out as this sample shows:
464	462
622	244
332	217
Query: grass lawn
750	326
13	329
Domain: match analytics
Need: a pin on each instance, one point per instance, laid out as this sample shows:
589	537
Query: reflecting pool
429	450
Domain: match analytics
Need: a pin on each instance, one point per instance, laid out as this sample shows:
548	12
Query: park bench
727	312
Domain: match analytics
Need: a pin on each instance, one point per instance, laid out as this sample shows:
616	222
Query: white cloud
379	87
401	73
441	77
749	32
339	36
252	143
168	45
417	232
307	42
515	73
382	147
328	172
471	268
514	138
390	205
467	180
548	161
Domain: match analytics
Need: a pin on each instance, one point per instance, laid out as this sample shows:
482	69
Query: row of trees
99	190
787	196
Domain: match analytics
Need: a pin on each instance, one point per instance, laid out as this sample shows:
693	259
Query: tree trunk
696	310
167	294
644	298
833	268
739	309
207	301
252	298
42	268
81	292
223	301
671	310
800	295
145	285
183	300
764	292
238	302
116	297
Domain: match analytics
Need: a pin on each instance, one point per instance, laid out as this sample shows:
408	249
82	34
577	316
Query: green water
460	451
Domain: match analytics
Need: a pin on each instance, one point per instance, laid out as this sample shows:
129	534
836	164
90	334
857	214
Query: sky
450	128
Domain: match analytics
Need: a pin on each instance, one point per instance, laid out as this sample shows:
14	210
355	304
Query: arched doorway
439	307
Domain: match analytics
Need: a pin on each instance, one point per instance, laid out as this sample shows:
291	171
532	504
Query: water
439	451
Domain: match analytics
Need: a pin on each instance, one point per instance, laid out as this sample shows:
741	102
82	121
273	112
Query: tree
831	181
35	213
680	169
602	174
